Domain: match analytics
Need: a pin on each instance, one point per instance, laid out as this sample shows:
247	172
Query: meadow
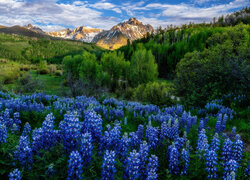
51	137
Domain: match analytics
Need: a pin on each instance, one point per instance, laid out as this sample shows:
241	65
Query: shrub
10	77
155	93
25	68
223	69
58	73
26	84
52	69
43	71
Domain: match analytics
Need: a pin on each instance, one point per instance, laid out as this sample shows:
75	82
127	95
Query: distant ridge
81	33
25	31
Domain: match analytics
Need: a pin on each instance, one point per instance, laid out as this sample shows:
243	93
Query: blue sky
53	15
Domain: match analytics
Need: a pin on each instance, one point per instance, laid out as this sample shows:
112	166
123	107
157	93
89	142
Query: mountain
121	33
81	33
29	31
34	28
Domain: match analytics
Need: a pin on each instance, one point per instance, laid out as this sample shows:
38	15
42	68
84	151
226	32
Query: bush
52	69
58	73
43	71
26	84
25	68
223	69
10	77
155	93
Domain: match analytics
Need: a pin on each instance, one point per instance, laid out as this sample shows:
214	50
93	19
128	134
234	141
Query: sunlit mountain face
53	15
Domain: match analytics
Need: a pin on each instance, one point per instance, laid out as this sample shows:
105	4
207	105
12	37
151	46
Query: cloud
107	6
54	14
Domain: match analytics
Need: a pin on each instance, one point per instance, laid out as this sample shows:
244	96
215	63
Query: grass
52	84
11	70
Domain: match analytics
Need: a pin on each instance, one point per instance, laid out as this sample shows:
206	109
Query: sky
53	15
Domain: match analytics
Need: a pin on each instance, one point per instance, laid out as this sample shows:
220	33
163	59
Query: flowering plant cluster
122	138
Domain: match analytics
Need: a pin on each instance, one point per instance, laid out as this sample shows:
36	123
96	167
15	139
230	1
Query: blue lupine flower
50	171
202	143
211	163
75	166
152	168
86	148
3	133
15	175
133	165
152	136
186	159
115	134
108	166
215	144
92	123
111	138
48	136
237	150
44	137
26	129
24	152
71	131
164	129
175	128
232	134
237	137
201	126
124	146
134	140
229	167
179	143
144	150
218	124
174	160
224	122
140	131
224	136
227	150
16	124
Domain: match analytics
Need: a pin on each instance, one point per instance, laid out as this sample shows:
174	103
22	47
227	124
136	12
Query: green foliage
115	65
223	69
26	84
155	93
43	67
169	47
22	48
143	68
91	71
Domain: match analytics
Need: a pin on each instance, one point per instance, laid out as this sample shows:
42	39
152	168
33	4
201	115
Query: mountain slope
119	34
23	48
25	31
81	33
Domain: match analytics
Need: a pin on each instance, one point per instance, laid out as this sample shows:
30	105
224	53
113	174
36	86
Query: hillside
23	48
25	31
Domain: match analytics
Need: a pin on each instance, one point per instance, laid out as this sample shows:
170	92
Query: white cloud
51	15
107	6
55	15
